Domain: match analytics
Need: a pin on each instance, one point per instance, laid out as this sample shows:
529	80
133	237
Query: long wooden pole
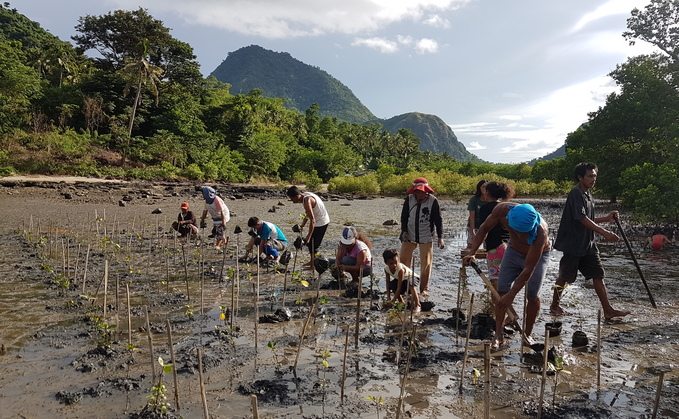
634	259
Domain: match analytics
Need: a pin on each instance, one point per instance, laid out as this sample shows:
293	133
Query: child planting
403	280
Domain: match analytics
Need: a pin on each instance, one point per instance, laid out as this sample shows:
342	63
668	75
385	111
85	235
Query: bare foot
616	313
499	344
424	293
558	311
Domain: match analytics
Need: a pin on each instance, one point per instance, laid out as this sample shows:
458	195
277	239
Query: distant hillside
436	135
559	152
302	85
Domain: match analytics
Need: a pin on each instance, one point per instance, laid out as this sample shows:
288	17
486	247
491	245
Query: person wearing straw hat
219	212
186	221
524	262
421	223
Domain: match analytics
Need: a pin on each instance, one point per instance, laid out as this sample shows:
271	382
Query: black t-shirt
498	234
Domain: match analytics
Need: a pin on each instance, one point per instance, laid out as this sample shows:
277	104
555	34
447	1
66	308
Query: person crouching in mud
524	262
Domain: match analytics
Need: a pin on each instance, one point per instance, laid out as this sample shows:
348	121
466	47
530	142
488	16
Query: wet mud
67	350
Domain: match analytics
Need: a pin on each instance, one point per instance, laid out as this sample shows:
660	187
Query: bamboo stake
235	278
206	413
129	315
658	392
186	274
87	259
301	338
344	364
255	412
463	274
148	333
201	266
544	374
405	373
486	387
256	306
598	350
358	305
117	297
168	327
105	285
466	344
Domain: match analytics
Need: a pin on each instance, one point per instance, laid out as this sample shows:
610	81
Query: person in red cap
421	223
186	222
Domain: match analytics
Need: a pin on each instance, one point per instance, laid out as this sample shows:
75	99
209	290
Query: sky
511	77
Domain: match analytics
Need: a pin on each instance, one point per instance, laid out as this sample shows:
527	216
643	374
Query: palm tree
140	72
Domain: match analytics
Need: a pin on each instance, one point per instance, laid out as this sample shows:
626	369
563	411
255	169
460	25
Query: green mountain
435	135
278	74
302	85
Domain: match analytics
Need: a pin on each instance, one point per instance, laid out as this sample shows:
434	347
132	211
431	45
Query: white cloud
511	117
611	8
296	18
437	21
426	46
383	45
475	146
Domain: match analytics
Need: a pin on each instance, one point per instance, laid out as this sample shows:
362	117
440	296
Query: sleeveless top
320	213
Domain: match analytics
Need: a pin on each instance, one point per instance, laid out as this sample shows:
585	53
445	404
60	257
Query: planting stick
463	273
167	273
168	326
301	338
256	305
598	350
466	344
224	249
117	298
105	285
236	277
344	364
87	259
206	413
63	258
523	322
486	383
77	260
358	304
129	314
544	373
186	274
148	334
657	394
405	373
201	266
255	413
634	259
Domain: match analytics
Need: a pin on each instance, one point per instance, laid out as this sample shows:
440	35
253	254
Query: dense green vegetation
142	109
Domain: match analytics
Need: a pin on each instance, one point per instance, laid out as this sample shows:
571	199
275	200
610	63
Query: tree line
139	107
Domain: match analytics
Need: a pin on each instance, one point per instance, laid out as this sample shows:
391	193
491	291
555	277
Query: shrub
350	184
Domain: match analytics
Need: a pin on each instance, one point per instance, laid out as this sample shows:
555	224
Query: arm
438	223
532	259
405	213
388	287
592	225
192	219
480	235
399	284
308	208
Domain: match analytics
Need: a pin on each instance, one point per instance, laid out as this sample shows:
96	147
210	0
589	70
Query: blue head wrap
209	194
525	219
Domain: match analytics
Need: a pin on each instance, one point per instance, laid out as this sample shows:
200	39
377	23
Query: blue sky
512	78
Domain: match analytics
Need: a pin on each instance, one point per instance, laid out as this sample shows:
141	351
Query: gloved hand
203	224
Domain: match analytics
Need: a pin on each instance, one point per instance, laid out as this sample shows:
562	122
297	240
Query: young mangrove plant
557	367
157	400
377	402
272	345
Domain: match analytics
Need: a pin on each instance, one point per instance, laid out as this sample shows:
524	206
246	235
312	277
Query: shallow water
46	338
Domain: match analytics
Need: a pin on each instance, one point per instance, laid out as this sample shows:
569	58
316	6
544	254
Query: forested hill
435	135
278	74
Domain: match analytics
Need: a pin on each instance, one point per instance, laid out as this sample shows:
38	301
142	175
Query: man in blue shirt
269	239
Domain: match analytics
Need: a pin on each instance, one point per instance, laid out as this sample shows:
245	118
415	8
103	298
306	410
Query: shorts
512	265
415	282
589	265
317	238
494	257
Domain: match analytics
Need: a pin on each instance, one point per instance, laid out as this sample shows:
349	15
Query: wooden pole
129	315
105	286
466	344
598	351
658	392
168	327
255	412
463	274
344	364
87	258
544	373
148	334
358	305
301	338
206	413
486	386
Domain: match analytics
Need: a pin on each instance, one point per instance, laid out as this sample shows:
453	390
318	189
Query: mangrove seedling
475	375
157	400
377	402
272	346
557	367
189	312
105	333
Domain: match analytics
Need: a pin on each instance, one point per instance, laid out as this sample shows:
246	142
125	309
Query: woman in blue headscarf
524	262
